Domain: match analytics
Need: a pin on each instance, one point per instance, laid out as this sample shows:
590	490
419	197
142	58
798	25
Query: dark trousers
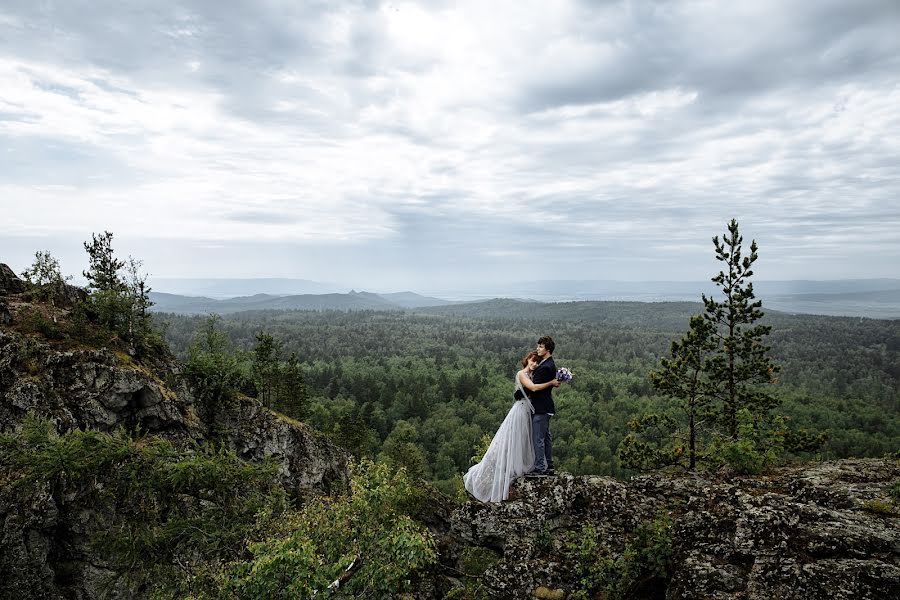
542	442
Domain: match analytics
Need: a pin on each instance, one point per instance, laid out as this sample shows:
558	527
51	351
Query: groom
543	409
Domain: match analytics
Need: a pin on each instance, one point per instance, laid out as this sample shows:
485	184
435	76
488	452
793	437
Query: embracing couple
523	444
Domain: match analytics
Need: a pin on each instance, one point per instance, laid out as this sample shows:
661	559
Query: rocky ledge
821	531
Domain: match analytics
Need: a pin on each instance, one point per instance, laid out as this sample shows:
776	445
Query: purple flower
563	374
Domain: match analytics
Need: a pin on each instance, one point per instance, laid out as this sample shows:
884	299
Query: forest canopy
424	389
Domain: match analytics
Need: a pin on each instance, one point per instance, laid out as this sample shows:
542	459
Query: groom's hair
529	356
547	342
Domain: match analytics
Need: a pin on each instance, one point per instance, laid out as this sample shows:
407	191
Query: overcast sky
394	145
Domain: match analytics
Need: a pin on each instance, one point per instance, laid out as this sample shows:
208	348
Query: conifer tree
291	388
715	375
265	367
681	376
741	363
103	274
109	293
139	322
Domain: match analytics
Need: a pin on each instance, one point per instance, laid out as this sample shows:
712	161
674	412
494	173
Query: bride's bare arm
531	386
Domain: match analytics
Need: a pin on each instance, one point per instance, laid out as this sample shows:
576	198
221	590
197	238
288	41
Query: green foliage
894	492
34	321
138	320
162	514
213	371
799	440
279	383
103	272
757	447
44	276
645	563
715	373
475	560
377	368
544	538
366	541
481	448
880	507
742	361
652	443
401	449
119	298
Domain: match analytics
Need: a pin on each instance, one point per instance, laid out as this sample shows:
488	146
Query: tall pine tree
715	376
741	364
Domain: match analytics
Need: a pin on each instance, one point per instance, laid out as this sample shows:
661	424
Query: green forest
424	388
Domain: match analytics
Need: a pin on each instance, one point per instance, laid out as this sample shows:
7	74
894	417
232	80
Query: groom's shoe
550	471
535	474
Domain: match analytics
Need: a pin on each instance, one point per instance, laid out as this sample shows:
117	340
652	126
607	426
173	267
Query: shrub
366	544
644	565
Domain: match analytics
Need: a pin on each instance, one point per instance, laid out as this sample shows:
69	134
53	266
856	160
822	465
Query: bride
511	453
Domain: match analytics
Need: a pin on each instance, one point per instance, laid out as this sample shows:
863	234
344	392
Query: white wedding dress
509	456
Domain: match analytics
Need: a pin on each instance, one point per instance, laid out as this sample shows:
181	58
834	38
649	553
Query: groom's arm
543	374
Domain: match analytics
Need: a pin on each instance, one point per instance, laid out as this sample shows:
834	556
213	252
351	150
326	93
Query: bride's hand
556	383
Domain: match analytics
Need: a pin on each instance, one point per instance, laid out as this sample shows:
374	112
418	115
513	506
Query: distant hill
248	287
353	300
877	304
872	298
412	300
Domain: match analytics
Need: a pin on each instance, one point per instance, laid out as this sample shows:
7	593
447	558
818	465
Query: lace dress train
509	456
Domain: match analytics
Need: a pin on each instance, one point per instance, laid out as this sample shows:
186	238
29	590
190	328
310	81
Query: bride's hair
528	357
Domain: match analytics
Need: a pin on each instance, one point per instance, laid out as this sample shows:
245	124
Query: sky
432	145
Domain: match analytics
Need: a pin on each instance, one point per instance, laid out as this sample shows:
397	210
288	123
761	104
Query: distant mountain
353	300
233	288
663	291
878	304
665	316
874	298
412	300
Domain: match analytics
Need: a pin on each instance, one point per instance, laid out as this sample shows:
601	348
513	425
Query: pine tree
681	377
103	274
265	367
715	375
741	363
139	321
109	293
291	388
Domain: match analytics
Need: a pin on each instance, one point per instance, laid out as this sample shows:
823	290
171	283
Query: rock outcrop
9	281
820	531
45	547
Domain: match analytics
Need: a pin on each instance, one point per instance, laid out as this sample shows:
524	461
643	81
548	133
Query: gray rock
45	549
803	533
9	281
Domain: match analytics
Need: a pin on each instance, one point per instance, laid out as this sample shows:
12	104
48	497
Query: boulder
9	281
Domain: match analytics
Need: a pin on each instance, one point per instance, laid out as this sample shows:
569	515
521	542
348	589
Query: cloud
612	133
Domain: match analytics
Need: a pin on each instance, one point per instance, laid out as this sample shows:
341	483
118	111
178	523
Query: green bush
644	564
759	445
894	492
366	541
163	514
199	522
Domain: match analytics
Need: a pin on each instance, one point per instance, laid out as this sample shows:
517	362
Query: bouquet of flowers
563	374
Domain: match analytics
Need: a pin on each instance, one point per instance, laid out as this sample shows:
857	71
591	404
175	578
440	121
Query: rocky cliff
820	531
76	384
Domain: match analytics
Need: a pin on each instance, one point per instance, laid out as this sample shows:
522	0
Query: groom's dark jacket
542	400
